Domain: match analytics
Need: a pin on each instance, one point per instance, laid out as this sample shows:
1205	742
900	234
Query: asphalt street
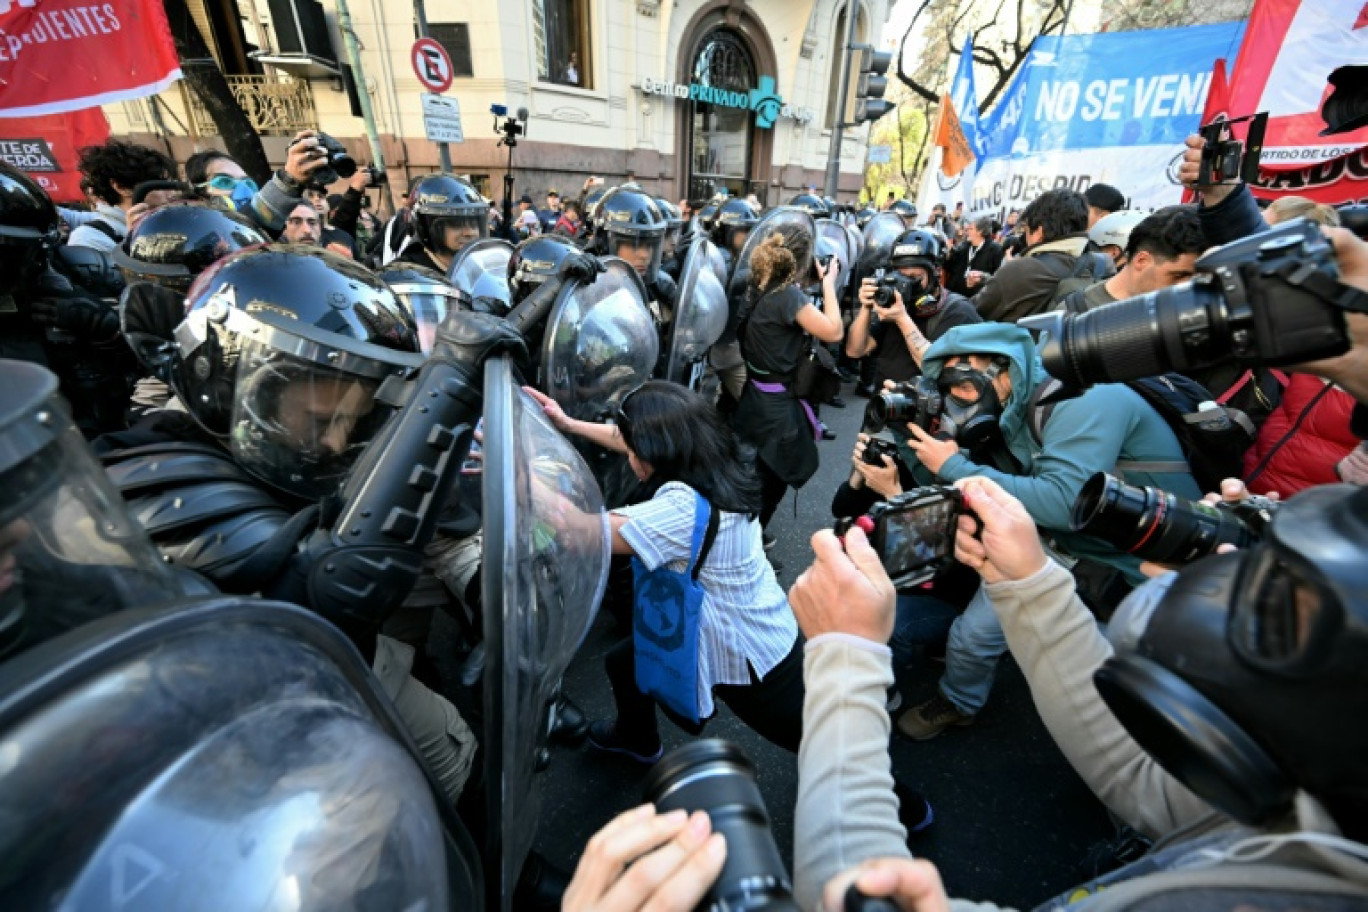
1013	822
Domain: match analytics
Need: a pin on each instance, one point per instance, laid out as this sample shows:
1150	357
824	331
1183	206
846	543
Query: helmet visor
641	251
69	551
450	233
297	425
429	307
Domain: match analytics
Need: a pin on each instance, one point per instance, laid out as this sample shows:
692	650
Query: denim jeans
920	620
975	644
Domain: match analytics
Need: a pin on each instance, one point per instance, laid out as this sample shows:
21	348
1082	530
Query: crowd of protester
937	316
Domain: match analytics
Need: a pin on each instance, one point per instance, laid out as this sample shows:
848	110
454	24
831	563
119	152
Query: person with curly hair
114	170
774	325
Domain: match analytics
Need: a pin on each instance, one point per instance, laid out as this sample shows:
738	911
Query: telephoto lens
1157	526
715	776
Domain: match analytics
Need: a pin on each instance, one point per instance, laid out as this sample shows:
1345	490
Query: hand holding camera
846	590
932	450
913	534
876	464
316	158
999	540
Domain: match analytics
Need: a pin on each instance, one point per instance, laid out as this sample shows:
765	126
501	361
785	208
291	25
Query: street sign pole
833	175
344	23
420	16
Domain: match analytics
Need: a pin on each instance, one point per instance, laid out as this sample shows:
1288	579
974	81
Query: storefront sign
763	99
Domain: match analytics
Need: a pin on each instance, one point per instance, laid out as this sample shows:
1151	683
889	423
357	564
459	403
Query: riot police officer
629	225
733	224
448	213
813	204
672	255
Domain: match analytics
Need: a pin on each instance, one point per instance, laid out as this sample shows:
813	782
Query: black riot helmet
28	227
906	210
69	551
631	226
592	200
864	215
536	260
1248	679
281	352
707	216
920	247
425	293
814	204
442	203
734	221
174	243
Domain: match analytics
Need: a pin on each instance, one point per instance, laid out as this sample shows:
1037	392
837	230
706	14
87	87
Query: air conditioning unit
303	45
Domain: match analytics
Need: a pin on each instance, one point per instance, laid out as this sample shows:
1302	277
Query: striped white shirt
745	620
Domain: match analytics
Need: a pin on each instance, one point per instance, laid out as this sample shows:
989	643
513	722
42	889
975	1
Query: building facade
685	97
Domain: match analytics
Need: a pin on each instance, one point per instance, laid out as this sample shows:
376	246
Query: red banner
63	55
45	148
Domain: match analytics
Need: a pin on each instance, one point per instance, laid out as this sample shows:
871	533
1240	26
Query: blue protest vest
665	620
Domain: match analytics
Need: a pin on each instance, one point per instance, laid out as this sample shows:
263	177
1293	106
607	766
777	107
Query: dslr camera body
876	448
887	282
1269	299
339	163
917	401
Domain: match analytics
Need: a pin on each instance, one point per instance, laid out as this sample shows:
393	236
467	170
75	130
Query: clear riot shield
836	234
480	275
856	242
233	753
794	223
880	234
546	563
600	342
700	315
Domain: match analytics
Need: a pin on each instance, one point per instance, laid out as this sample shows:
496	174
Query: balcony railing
277	105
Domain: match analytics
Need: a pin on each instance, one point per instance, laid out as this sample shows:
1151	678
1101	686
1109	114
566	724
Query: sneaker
894	701
605	737
914	811
924	722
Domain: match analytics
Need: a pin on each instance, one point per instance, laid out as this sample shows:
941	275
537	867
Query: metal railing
277	105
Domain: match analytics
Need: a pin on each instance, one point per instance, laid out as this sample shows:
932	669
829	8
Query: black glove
150	316
663	289
85	318
582	267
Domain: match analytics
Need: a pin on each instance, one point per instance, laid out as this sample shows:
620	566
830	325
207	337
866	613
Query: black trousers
772	490
773	708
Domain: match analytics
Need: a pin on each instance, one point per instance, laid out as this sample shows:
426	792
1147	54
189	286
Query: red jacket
1302	439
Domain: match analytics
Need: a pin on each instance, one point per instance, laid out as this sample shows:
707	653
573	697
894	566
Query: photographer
992	371
899	338
345	215
1161	251
1265	791
1055	262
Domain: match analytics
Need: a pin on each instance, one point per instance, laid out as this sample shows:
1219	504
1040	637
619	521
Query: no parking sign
432	65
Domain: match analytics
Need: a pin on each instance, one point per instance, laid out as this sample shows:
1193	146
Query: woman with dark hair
774	326
749	651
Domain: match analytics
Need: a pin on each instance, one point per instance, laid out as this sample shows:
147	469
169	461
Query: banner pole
344	23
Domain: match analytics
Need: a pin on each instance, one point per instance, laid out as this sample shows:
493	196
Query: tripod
511	129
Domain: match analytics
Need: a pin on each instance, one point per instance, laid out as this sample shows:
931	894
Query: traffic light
869	103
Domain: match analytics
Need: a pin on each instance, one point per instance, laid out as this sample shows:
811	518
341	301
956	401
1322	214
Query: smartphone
913	533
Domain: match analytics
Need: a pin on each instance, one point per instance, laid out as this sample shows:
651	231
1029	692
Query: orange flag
958	154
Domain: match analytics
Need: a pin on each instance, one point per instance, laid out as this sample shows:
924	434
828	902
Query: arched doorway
720	136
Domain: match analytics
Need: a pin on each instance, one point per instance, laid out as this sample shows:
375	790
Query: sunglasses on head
620	418
226	183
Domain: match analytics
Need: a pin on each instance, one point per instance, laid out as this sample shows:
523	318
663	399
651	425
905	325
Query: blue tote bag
665	619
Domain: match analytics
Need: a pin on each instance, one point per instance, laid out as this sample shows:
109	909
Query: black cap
1347	107
526	198
1105	197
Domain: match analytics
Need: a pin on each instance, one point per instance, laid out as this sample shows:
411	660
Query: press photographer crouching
1215	712
976	412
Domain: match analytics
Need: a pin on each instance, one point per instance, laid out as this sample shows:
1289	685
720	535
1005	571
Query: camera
916	402
378	177
886	284
1269	299
1165	528
913	533
1228	161
338	164
876	448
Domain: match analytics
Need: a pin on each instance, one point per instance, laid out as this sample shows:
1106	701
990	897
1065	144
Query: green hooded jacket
1083	436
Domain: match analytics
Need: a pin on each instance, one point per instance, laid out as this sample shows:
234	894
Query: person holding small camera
897	331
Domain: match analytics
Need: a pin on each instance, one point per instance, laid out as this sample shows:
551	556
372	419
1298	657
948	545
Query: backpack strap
1037	414
705	533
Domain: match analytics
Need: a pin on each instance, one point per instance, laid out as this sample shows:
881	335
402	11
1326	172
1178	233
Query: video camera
1226	160
512	127
913	533
1165	528
1269	299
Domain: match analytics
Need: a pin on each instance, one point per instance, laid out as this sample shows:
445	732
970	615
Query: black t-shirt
773	342
892	360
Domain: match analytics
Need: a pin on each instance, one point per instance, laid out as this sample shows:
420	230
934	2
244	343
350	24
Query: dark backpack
1214	441
1088	269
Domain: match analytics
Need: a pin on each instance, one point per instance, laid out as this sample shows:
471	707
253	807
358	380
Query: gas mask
1248	679
973	424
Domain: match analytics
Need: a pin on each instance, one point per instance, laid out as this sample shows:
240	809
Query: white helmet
1114	230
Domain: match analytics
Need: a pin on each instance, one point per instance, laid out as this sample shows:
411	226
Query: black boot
568	723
